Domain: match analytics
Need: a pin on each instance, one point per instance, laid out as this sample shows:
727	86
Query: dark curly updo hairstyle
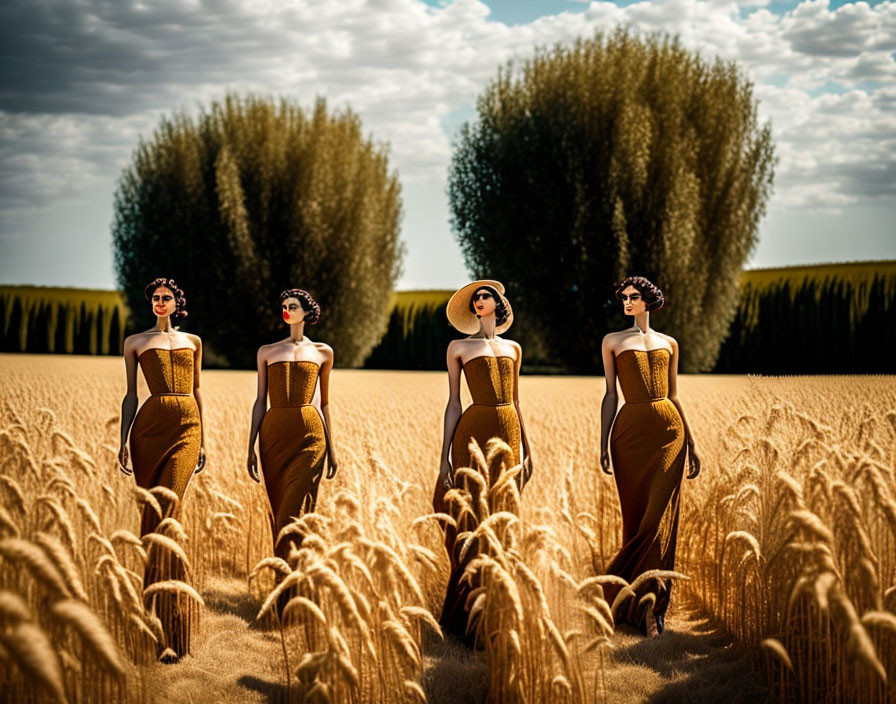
500	308
180	300
652	296
309	305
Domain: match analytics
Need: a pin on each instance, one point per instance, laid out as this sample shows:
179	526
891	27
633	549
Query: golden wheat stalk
89	515
173	586
32	652
291	580
171	528
61	518
13	608
39	565
144	498
92	632
125	537
64	563
8	524
17	496
163	542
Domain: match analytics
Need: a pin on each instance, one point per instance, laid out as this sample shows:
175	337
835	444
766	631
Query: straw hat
458	310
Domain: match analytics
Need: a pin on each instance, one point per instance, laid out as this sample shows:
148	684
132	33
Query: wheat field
785	572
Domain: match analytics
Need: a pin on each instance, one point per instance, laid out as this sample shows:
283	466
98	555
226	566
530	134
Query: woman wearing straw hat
491	366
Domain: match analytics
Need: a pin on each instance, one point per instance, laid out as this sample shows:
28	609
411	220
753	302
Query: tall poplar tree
613	156
254	196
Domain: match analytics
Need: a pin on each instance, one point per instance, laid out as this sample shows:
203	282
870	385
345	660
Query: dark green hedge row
828	324
817	327
831	324
416	338
31	322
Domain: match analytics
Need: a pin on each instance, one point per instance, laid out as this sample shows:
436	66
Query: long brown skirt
648	452
480	423
165	443
293	448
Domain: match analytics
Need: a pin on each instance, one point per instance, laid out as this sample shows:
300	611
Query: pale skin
483	343
639	337
162	336
295	348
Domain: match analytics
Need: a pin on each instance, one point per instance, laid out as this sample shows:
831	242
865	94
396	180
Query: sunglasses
483	296
634	297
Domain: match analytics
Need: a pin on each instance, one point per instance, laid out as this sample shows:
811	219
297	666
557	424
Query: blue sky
83	81
525	11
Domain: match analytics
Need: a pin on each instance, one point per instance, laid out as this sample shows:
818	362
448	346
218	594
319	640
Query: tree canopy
614	156
254	196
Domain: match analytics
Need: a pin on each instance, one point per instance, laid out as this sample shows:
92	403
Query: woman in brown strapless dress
491	366
649	443
294	437
166	438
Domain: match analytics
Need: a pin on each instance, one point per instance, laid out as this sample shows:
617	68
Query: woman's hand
605	462
446	476
123	461
693	461
527	469
332	465
252	465
200	465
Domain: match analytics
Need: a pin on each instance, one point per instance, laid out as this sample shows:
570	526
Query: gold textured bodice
168	371
490	380
291	383
643	374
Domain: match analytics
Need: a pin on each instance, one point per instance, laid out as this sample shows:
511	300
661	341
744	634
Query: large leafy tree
252	197
613	156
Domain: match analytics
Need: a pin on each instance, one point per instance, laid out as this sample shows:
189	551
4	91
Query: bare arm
325	369
609	404
128	405
527	460
452	415
258	411
197	370
693	457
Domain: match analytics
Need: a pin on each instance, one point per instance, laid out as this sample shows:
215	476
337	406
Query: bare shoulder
131	342
455	349
195	340
516	347
673	343
455	346
611	339
326	352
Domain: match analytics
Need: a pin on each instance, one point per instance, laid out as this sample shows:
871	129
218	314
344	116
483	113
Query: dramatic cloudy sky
81	80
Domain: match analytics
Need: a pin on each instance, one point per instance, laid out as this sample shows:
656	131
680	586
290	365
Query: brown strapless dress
292	445
491	415
648	450
166	436
165	443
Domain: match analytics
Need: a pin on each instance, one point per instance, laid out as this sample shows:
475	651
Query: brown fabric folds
491	415
292	445
648	450
165	443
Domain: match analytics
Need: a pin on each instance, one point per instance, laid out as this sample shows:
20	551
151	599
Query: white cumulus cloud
82	81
